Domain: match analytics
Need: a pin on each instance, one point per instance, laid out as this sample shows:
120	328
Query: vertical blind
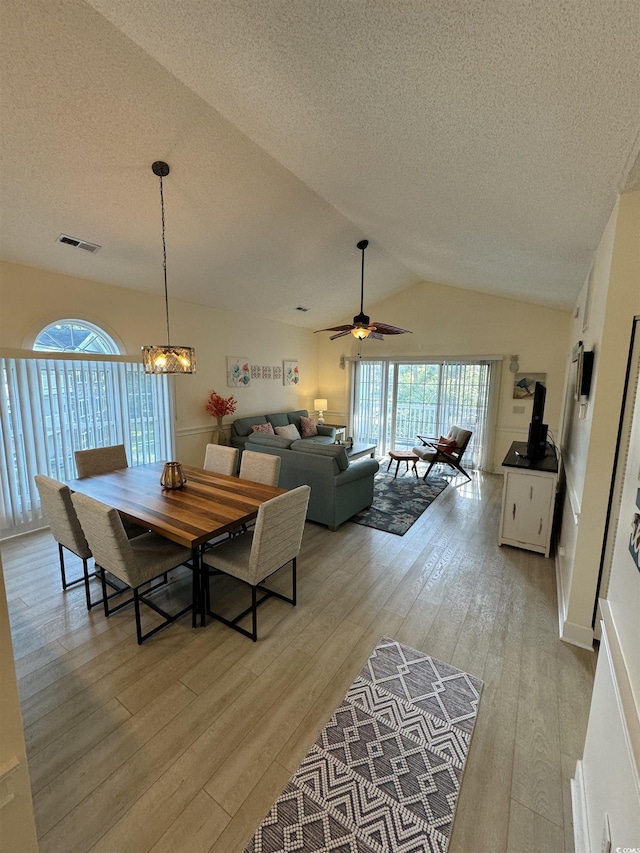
394	401
50	408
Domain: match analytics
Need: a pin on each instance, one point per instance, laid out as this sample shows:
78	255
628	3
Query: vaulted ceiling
479	144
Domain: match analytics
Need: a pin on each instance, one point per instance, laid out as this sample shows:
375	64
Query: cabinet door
528	508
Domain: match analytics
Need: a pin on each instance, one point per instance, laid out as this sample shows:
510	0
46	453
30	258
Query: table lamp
321	406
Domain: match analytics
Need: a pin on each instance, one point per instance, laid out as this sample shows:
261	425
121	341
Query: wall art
277	371
290	373
524	384
238	371
266	371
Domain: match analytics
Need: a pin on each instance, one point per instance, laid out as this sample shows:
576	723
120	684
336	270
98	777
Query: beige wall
590	441
448	321
31	298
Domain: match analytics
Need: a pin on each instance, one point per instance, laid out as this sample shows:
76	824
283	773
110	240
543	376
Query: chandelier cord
362	285
164	263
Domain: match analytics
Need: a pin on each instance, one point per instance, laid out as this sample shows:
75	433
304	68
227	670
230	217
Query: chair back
100	460
278	533
221	459
61	516
461	438
107	538
260	467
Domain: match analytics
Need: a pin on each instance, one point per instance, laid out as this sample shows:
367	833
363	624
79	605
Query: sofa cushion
266	429
288	431
278	419
242	426
278	441
308	427
334	451
294	418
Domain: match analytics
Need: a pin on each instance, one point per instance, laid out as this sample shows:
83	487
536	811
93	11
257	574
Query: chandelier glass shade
166	358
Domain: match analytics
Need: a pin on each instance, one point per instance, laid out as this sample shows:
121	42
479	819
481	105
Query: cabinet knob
540	528
514	511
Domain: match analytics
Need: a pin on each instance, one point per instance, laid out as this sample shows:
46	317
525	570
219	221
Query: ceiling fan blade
376	336
385	329
345	328
339	335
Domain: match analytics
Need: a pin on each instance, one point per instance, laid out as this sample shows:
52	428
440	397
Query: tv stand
528	499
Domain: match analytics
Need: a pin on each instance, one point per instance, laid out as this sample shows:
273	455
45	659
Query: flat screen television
537	443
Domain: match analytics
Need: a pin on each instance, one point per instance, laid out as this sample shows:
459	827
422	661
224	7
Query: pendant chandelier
166	358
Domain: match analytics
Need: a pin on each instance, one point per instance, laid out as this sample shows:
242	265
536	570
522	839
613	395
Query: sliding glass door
395	401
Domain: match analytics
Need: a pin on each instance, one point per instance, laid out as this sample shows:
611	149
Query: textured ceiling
479	144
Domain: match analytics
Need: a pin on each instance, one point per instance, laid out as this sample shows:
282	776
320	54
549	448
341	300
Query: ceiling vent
78	244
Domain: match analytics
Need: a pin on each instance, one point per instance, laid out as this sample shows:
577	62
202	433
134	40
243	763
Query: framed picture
255	371
238	371
266	371
290	373
524	384
277	371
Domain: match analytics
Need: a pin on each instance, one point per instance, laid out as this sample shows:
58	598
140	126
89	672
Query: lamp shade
320	405
168	359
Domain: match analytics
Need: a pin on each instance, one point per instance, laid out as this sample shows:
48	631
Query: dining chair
135	562
254	556
100	460
260	467
449	449
221	459
63	521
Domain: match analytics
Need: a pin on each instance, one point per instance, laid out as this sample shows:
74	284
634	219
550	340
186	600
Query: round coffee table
403	456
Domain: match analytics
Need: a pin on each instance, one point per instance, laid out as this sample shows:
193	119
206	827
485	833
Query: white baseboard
579	809
577	635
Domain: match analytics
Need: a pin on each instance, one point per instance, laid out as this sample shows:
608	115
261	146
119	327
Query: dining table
206	506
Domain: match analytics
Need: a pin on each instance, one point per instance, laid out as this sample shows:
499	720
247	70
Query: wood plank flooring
183	743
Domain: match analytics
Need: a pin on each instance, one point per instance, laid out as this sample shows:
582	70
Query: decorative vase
219	436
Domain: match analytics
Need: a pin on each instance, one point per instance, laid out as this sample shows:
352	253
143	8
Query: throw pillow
308	426
288	432
446	445
266	428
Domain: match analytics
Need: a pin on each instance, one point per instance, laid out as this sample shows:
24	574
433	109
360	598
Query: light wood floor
183	743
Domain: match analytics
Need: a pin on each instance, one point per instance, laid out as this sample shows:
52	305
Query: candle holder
172	476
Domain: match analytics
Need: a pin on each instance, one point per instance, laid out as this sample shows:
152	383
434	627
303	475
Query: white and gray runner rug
385	772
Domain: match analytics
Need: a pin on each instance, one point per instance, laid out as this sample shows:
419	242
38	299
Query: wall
31	298
589	444
17	826
448	321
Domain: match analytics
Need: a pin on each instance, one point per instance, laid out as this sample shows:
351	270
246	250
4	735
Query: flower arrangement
218	406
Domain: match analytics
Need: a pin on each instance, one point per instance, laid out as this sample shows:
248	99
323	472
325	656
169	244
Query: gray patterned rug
385	771
398	503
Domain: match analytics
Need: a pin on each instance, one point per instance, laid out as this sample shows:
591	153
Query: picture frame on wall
524	384
290	372
238	371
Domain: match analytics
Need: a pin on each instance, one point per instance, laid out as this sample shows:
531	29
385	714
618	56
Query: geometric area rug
398	503
385	772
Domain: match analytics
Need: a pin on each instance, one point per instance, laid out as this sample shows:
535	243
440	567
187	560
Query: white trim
560	592
576	635
574	500
198	430
579	809
629	712
427	359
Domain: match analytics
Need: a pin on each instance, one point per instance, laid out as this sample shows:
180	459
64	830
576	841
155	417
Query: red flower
218	406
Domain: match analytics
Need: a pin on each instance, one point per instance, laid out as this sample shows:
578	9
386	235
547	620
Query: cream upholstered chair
100	460
260	468
135	562
61	517
221	459
254	556
434	451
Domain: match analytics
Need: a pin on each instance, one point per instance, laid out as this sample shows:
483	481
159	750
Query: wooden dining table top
207	505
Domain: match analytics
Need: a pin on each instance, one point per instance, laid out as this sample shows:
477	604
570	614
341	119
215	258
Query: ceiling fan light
164	359
360	333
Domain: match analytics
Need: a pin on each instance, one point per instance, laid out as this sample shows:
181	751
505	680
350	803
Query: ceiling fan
362	327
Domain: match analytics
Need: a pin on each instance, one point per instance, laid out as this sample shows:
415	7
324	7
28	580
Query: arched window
75	336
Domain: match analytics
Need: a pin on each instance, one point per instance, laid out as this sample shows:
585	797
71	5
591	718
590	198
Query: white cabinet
528	500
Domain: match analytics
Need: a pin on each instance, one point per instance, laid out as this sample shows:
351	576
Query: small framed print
255	371
266	371
290	373
277	371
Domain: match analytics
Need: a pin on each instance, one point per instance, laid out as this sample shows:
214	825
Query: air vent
78	244
301	308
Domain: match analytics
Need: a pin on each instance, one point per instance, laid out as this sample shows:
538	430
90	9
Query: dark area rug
385	772
398	503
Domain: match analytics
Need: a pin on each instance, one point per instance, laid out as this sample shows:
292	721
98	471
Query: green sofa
339	489
241	428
